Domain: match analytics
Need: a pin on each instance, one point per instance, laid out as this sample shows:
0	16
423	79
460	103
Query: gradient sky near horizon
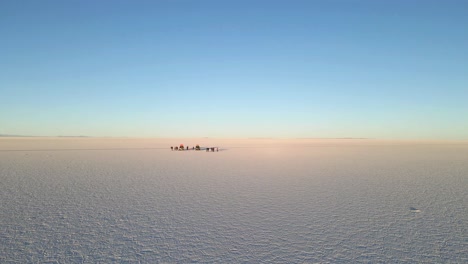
350	68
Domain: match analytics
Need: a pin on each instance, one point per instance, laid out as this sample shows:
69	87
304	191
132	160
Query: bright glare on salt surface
129	201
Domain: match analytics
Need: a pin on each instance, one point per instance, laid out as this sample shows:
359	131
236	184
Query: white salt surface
256	201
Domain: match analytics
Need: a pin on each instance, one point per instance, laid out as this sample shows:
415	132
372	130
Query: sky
197	68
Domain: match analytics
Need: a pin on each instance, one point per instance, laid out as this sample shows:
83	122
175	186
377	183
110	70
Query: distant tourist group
197	147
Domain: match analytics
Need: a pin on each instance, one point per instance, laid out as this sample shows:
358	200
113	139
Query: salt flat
90	200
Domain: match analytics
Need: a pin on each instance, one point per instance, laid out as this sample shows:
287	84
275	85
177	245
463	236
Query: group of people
181	147
197	147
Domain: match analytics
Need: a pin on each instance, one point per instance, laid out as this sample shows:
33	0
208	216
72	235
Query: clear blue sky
379	69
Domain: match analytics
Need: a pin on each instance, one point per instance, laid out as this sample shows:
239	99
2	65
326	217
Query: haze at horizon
367	69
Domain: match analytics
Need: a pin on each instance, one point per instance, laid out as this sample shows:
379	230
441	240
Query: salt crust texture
255	201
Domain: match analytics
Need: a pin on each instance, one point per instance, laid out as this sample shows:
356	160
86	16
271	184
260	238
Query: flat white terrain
88	200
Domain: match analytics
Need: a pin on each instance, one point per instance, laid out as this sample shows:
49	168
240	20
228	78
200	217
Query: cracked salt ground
328	202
